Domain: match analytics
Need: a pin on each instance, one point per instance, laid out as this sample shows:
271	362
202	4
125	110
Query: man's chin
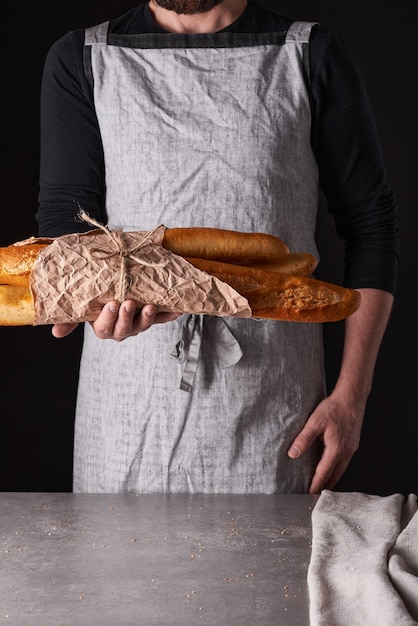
187	7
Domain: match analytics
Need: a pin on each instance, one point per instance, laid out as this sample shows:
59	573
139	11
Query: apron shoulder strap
300	32
93	35
96	34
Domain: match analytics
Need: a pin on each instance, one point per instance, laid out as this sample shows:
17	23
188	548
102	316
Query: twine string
125	253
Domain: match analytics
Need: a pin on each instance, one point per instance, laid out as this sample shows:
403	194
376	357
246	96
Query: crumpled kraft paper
74	276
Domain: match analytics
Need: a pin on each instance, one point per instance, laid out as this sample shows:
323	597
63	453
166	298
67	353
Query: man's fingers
104	325
145	318
118	321
149	316
303	442
327	474
62	330
161	318
124	323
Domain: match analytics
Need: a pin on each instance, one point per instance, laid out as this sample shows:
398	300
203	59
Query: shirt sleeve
72	163
351	165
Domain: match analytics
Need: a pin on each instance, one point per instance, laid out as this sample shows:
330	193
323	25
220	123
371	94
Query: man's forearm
337	420
364	331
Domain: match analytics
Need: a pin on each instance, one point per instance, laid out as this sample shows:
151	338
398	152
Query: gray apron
202	130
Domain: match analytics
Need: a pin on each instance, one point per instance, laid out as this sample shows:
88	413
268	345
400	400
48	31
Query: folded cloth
364	561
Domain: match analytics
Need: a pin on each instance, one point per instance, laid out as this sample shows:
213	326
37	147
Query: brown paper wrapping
74	276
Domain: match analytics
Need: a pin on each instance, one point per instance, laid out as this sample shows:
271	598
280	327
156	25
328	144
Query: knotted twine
124	252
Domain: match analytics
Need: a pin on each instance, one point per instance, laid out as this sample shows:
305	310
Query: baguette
276	296
297	263
16	263
205	243
271	295
277	289
224	245
16	306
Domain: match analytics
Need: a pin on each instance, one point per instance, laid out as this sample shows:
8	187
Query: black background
38	374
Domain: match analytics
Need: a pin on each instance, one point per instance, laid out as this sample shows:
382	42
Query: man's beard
187	7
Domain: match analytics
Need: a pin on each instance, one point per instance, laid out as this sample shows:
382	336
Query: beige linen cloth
364	561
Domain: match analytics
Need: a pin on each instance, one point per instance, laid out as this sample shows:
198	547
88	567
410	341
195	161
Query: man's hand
120	320
337	420
337	423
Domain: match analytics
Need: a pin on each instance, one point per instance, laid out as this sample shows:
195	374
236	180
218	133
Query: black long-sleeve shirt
344	139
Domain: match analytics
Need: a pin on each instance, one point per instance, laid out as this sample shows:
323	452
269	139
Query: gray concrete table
154	560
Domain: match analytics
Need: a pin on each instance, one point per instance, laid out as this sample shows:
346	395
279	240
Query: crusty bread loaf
224	245
271	294
16	306
277	296
205	243
296	263
16	263
300	299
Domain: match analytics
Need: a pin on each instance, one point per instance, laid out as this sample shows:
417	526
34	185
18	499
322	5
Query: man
217	113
